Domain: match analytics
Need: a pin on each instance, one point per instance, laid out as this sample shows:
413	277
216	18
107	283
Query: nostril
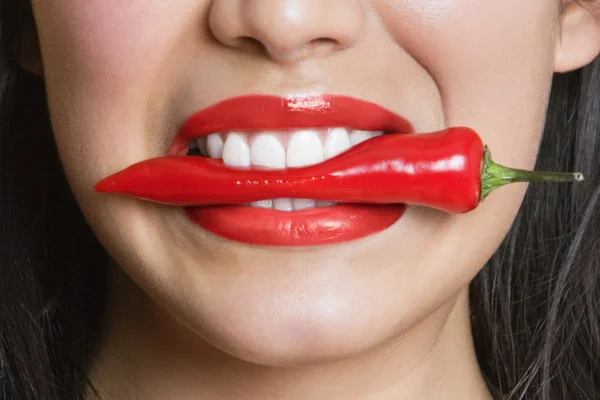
281	52
322	45
322	41
250	43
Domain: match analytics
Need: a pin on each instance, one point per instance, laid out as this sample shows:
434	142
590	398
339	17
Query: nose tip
287	30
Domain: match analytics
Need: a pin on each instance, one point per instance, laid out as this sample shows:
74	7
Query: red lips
261	112
250	225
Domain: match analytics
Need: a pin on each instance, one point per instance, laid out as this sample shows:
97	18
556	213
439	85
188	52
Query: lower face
122	79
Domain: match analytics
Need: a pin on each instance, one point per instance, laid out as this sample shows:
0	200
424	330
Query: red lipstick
262	112
328	225
313	227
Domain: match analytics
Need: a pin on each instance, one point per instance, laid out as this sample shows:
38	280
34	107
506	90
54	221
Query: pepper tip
104	186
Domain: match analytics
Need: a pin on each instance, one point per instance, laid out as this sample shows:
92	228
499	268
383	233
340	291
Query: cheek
105	61
492	62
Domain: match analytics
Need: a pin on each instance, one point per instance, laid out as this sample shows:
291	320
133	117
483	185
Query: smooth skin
193	316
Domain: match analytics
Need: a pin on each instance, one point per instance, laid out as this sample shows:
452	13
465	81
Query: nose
288	30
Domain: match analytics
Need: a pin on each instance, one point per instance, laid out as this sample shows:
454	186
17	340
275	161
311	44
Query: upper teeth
278	150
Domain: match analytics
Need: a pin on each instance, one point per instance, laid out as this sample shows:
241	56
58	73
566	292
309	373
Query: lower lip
312	227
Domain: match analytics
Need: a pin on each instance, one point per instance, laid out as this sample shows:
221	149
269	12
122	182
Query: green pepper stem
495	175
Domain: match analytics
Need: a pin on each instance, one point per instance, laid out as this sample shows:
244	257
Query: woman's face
122	77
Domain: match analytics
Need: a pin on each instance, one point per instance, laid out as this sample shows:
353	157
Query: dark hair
536	304
535	315
51	265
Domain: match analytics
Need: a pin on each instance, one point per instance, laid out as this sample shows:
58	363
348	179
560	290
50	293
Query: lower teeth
291	204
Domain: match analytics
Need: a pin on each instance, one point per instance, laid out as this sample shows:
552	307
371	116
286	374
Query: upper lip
266	112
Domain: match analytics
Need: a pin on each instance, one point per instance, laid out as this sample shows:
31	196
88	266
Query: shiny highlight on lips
301	104
314	227
265	112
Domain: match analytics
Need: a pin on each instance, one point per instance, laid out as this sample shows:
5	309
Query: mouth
259	133
269	132
279	150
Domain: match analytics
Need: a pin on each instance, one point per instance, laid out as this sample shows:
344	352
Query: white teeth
303	204
236	152
214	145
291	204
357	137
337	142
283	204
279	150
263	204
304	148
325	203
267	151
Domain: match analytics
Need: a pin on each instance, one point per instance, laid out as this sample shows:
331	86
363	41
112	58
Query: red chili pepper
450	170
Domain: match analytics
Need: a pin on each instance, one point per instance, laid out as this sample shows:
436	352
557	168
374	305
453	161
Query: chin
293	330
308	344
